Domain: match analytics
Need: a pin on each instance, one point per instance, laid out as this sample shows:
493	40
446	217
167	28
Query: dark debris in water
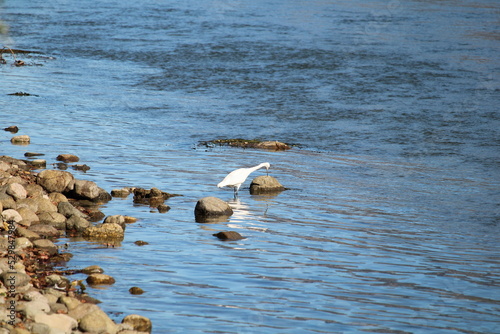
272	145
22	94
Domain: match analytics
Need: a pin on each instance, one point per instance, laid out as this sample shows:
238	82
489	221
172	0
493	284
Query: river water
391	220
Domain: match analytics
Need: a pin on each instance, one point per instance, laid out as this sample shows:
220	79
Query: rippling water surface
391	220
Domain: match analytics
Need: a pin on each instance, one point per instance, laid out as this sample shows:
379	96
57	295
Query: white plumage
236	178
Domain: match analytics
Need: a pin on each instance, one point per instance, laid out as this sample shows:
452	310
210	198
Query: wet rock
39	163
100	279
12	129
115	219
45	245
130	220
228	235
152	197
141	243
61	322
17	191
264	185
163	208
209	207
138	322
82	168
273	145
124	192
86	190
54	219
61	166
56	180
29	216
67	158
11	215
92	270
135	290
23	140
32	154
45	231
97	322
77	223
104	232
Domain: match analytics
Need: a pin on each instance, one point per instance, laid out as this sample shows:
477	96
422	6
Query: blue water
391	220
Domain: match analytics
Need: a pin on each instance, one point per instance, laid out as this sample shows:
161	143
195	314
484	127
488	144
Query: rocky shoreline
37	208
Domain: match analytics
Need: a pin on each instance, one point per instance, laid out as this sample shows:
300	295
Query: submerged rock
228	235
265	184
135	290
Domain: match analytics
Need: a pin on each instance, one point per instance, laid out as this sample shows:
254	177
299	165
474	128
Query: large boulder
53	219
210	209
61	322
97	322
86	190
56	180
265	184
77	223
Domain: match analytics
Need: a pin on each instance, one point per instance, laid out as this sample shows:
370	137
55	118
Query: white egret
236	178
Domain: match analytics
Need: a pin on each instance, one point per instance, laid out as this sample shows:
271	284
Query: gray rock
45	230
124	192
32	308
86	190
57	321
68	210
264	185
44	205
69	302
11	215
34	190
45	245
98	322
39	328
115	219
212	207
138	323
56	180
77	223
54	219
23	232
57	198
82	310
16	279
17	191
22	242
28	215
